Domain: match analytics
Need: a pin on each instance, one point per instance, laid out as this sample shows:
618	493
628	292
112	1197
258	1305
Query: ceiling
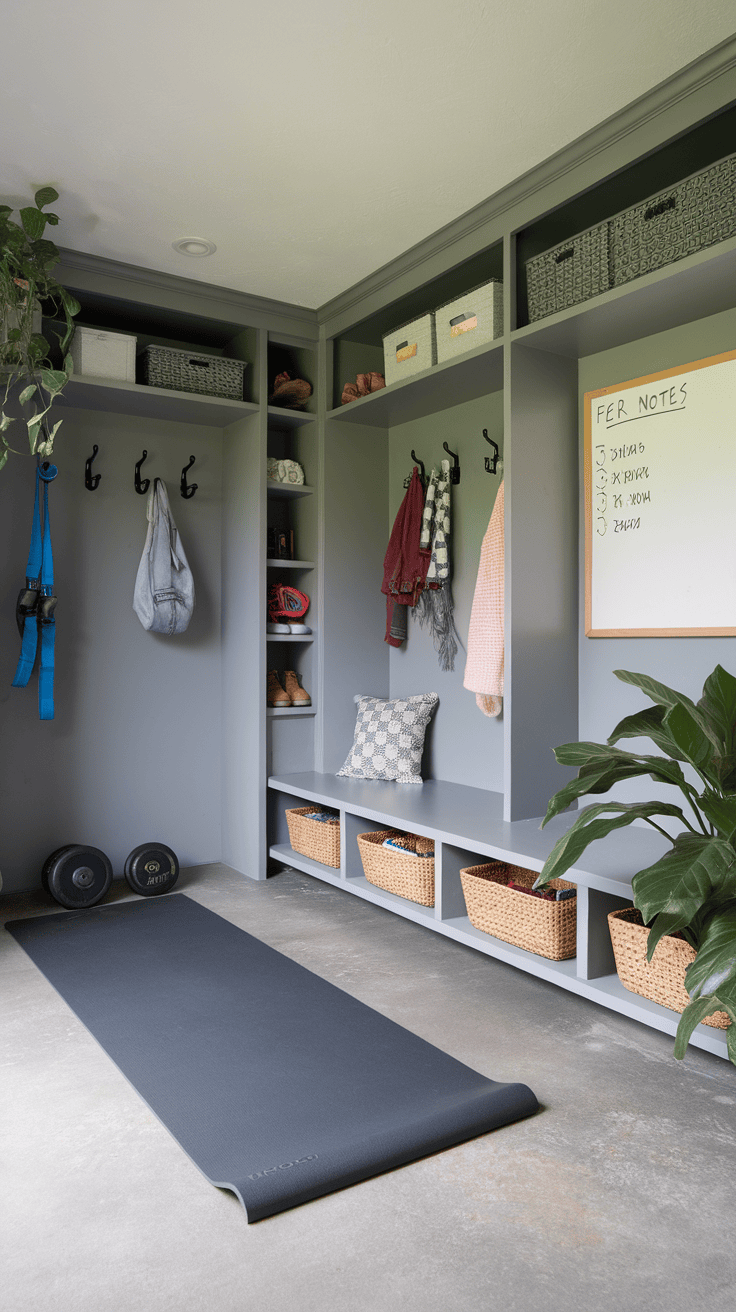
311	142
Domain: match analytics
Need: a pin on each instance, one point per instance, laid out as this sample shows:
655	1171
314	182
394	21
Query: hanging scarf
405	564
484	666
435	608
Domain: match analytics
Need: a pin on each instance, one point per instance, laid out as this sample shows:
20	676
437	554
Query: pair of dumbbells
77	876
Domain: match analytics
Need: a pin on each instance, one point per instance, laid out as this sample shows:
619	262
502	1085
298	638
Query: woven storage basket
544	927
409	349
188	371
569	273
319	839
408	876
663	978
695	213
470	320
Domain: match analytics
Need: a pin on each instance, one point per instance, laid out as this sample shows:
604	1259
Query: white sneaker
278	628
299	628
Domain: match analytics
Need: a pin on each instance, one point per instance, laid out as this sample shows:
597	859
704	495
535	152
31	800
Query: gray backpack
164	587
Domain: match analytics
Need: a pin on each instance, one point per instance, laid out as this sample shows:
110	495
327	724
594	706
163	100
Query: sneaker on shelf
298	628
278	628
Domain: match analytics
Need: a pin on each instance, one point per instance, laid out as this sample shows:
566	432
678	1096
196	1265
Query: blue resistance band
37	603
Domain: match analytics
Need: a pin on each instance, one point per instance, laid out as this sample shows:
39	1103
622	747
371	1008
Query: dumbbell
77	876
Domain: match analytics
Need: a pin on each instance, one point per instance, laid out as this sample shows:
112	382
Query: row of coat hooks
92	481
491	462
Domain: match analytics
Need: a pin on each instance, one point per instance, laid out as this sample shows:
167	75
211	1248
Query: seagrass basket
544	927
318	839
662	979
408	876
192	371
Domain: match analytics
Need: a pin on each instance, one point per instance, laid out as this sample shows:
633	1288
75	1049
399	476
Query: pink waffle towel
484	664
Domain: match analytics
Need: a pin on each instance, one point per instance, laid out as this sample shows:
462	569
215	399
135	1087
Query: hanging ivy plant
27	258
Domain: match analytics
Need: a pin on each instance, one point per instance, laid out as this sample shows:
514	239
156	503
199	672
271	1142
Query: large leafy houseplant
692	888
27	259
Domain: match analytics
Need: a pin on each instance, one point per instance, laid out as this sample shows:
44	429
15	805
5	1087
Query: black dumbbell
151	869
77	876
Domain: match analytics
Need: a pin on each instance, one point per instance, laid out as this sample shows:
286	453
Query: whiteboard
660	503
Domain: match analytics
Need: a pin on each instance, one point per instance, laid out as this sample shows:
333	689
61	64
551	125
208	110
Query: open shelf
288	489
89	393
291	637
274	563
444	385
289	712
280	417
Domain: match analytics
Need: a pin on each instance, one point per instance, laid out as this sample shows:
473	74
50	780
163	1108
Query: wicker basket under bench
662	979
318	839
410	876
537	924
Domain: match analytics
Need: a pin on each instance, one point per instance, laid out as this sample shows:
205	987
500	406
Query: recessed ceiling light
194	246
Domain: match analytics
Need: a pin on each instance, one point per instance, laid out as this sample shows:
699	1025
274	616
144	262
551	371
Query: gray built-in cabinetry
488	780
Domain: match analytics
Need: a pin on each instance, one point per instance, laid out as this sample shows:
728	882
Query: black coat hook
91	481
141	487
491	461
423	476
455	471
186	489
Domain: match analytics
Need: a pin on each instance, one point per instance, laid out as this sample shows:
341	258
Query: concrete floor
618	1195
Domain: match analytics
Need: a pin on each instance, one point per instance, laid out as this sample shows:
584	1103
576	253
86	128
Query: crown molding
701	76
95	273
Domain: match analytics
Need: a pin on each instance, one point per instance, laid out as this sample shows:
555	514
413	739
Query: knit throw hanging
435	607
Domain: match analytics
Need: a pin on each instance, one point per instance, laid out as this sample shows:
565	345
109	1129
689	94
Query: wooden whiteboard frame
589	398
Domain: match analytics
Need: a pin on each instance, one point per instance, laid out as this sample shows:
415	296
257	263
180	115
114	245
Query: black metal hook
141	487
455	471
188	490
491	461
91	481
423	475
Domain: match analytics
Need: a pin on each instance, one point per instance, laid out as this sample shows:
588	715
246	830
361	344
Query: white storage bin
474	318
409	349
104	355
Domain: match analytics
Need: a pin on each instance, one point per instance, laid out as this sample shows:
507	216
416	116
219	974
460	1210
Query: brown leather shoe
275	694
294	690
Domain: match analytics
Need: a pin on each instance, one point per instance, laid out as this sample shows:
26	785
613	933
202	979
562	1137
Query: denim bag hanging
164	587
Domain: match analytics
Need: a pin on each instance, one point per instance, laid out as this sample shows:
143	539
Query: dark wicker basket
569	273
191	371
695	213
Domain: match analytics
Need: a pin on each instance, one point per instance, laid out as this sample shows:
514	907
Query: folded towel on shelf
324	817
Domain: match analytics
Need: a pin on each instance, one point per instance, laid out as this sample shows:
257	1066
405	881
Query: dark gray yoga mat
277	1084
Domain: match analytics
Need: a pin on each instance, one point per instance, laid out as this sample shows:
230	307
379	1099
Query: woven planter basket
546	928
190	371
318	839
663	978
408	876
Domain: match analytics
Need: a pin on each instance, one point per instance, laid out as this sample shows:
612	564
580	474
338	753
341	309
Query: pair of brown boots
290	693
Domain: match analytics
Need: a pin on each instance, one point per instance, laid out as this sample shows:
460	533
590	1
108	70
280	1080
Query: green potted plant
692	888
27	258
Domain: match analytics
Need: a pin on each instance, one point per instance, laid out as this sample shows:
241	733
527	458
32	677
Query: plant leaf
718	705
582	754
27	393
714	968
599	777
4	457
52	380
697	1011
33	221
673	890
668	697
648	724
721	812
689	737
45	196
587	827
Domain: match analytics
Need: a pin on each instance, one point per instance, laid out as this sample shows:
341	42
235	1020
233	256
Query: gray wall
133	754
684	662
463	745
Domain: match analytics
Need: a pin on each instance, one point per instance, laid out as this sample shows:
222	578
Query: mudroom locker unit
179	736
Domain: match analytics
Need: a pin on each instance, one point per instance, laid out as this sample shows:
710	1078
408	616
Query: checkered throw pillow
389	738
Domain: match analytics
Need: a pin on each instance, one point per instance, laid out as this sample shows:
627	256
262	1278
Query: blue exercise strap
37	603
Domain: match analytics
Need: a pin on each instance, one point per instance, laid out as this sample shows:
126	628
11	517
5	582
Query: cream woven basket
662	979
408	876
544	927
319	839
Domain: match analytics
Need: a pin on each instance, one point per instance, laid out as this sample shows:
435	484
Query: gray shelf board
289	564
610	992
689	289
88	393
472	819
463	379
292	637
289	712
288	418
275	489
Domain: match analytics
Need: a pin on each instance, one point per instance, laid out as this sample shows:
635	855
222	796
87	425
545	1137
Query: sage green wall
684	662
463	745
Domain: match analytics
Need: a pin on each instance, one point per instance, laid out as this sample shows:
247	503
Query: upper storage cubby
296	358
606	240
458	375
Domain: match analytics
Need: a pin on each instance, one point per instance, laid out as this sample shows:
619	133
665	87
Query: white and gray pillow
389	738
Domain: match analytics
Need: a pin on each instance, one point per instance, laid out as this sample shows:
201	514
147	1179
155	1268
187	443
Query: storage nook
517	384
